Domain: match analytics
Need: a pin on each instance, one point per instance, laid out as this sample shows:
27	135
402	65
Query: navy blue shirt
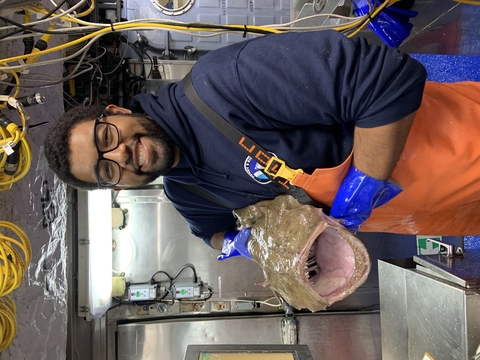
298	95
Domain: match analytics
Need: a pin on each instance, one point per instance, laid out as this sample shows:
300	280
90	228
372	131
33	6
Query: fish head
306	256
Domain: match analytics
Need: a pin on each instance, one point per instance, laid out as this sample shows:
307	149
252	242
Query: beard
161	140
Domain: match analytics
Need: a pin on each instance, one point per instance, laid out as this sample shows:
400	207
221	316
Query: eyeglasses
108	172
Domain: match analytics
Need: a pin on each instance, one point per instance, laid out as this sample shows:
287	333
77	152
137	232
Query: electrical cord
264	302
29	28
29	44
82	14
119	63
185	267
216	28
122	27
374	11
15	150
37	8
168	291
190	28
8	323
73	73
152	280
14	83
210	290
26	13
12	264
25	160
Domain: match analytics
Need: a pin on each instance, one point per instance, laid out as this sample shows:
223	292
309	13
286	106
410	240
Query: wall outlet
220	305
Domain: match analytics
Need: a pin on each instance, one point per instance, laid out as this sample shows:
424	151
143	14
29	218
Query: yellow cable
375	13
17	80
24	243
120	27
23	166
470	2
184	27
12	264
8	323
36	53
15	134
12	268
179	27
65	17
88	11
12	135
14	138
69	17
17	90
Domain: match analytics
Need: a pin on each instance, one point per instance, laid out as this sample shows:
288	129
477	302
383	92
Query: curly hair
57	144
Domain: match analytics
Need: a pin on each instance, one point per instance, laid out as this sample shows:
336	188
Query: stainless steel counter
425	312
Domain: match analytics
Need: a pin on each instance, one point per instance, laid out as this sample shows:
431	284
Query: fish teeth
312	271
311	260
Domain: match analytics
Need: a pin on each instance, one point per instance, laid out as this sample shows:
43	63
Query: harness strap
276	169
200	192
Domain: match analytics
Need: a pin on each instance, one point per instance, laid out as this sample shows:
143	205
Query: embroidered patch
254	169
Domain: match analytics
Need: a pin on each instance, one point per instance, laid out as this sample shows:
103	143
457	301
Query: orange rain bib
439	169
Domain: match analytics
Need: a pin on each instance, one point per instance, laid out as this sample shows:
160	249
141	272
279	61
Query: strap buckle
277	168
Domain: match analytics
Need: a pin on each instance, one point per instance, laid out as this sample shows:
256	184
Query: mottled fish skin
282	232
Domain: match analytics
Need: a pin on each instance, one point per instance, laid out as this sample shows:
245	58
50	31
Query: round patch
254	169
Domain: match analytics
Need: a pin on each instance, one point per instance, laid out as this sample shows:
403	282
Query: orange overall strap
323	184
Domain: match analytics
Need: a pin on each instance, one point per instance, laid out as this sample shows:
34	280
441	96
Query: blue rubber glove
235	243
392	24
358	195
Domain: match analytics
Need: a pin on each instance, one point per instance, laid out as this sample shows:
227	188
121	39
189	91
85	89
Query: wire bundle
82	59
72	25
13	140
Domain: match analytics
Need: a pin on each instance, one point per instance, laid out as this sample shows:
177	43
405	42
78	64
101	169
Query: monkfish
307	257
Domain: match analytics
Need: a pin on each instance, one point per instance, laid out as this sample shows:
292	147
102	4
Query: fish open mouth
307	257
330	265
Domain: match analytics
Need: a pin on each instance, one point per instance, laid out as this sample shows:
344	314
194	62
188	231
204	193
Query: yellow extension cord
13	135
8	324
12	268
25	150
12	264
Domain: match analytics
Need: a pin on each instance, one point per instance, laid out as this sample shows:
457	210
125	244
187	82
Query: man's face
144	150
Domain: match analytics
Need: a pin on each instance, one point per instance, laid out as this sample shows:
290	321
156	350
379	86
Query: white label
8	148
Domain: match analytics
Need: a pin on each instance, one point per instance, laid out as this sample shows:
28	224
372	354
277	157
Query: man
308	98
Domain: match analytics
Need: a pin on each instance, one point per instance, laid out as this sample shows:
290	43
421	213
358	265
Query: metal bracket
289	327
289	331
447	250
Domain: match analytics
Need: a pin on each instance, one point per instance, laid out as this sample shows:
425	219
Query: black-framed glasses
106	137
